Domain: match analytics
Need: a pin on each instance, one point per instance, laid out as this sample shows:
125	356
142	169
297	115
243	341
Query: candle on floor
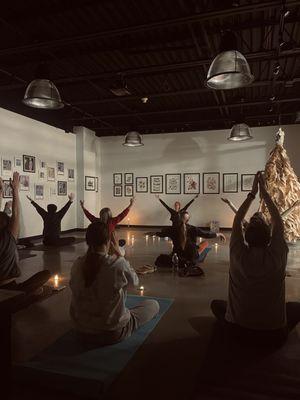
128	222
56	281
200	240
166	238
141	289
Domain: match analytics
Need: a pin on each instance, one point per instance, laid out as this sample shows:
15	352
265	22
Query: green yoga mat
69	366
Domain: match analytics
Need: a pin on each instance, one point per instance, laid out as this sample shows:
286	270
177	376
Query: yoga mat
71	367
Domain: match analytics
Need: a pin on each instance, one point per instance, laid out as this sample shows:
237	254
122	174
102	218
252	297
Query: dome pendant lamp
133	139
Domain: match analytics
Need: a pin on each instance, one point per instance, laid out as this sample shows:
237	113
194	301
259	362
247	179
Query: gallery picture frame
96	184
117	178
156	184
173	183
128	190
246	182
90	183
50	174
38	192
62	188
211	183
7	189
71	174
195	177
60	167
24	183
6	166
230	182
118	191
141	184
128	178
29	163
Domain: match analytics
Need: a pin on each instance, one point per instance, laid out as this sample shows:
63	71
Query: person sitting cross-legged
99	283
256	313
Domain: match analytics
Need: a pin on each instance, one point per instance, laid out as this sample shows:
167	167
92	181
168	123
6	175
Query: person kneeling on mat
9	232
99	283
52	223
256	313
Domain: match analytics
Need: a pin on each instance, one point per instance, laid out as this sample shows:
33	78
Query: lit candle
141	289
147	237
166	238
56	280
200	240
128	222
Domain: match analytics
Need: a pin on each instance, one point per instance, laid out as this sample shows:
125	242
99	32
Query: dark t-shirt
8	256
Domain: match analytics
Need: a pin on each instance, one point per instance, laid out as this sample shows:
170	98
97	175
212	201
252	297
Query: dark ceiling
162	49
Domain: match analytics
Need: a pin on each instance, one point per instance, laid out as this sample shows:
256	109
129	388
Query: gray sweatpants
139	315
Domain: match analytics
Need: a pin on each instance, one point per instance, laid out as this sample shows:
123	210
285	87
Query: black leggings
252	337
64	241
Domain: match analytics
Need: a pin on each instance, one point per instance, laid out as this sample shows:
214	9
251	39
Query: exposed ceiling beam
193	109
158	69
201	17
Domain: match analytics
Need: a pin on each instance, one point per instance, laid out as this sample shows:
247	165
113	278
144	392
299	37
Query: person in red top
106	217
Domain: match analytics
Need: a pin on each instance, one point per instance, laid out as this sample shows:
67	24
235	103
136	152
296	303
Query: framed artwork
156	184
173	183
52	191
90	183
230	183
24	183
43	164
38	192
62	188
60	168
191	183
51	174
41	175
118	191
97	184
7	189
18	162
28	163
128	190
211	183
247	182
141	184
71	174
118	179
6	166
128	178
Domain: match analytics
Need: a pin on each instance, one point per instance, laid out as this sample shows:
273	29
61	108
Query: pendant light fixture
133	139
230	69
240	133
42	93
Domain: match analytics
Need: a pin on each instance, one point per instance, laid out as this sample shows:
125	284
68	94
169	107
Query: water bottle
175	262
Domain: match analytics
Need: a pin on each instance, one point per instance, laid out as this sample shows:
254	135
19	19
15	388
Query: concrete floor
169	361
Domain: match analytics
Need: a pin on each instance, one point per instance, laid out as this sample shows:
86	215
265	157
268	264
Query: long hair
97	234
105	215
182	234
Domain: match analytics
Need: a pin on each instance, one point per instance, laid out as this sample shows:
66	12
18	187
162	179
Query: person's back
100	306
52	225
8	254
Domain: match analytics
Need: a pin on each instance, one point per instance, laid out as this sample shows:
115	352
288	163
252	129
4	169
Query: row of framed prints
39	190
173	183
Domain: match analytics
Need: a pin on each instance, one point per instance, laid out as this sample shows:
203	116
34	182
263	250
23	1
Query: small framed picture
128	178
211	183
128	190
230	183
118	191
173	183
6	166
97	184
117	178
43	164
41	175
60	168
24	183
18	162
52	191
71	174
50	174
247	182
156	184
62	188
28	163
90	183
7	189
38	192
141	184
191	183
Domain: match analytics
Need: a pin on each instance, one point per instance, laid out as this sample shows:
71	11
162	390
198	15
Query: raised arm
89	216
123	214
61	213
38	208
14	223
234	209
237	233
164	204
189	203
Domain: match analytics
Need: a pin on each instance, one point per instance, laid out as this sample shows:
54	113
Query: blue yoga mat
69	366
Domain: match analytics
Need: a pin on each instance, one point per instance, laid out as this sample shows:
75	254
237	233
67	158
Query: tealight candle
141	288
56	280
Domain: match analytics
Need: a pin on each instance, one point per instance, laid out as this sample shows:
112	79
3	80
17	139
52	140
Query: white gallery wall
20	135
190	152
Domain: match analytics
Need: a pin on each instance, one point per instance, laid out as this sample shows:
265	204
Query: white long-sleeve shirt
101	306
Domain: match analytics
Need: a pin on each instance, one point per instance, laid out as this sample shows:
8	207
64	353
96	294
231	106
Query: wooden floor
167	365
